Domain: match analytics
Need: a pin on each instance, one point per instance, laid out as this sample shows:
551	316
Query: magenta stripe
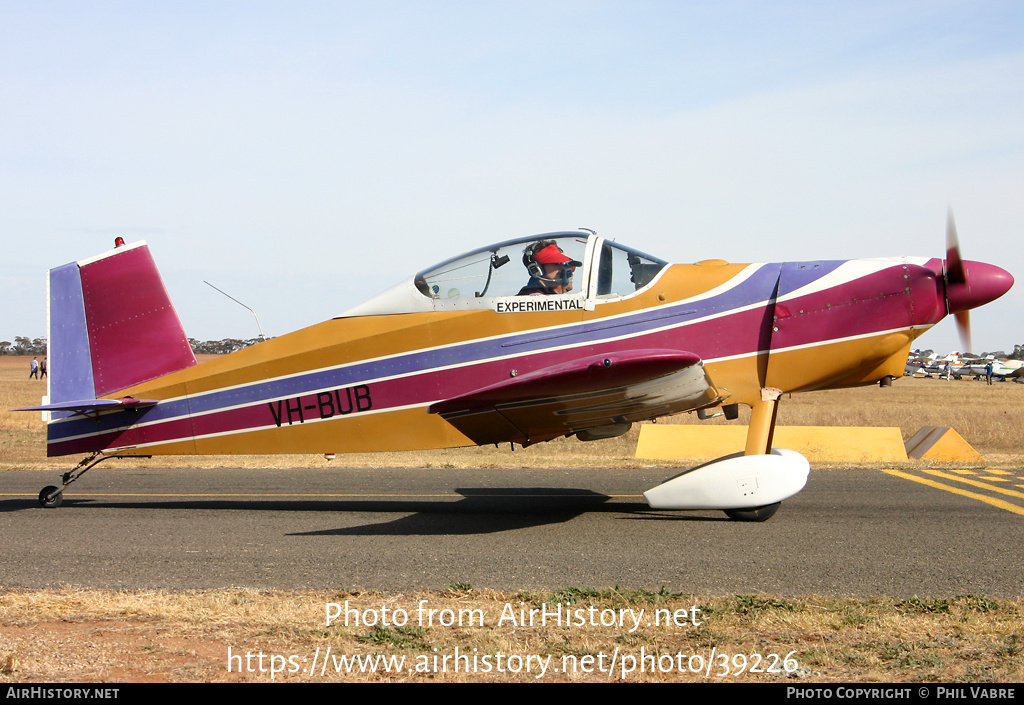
885	300
733	334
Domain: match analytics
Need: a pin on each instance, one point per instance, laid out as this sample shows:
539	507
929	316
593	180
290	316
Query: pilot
550	269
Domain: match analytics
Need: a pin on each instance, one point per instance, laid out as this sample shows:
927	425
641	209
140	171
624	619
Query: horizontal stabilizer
85	405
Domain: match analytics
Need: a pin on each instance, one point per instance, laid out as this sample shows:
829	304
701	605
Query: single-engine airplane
562	334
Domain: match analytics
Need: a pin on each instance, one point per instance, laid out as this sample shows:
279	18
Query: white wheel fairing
734	482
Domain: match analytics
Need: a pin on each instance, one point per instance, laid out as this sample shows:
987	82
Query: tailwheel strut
52	496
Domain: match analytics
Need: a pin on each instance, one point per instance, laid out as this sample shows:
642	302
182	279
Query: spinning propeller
956	275
969	284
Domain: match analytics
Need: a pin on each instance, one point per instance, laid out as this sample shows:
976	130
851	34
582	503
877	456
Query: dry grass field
109	637
99	636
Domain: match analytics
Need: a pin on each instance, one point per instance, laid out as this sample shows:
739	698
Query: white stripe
873	265
708	361
849	271
109	253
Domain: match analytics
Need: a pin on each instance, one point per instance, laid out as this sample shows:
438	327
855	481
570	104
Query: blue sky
304	156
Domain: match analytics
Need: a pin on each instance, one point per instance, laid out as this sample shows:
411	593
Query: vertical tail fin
112	325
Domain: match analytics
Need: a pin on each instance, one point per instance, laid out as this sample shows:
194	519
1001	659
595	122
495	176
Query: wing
595	396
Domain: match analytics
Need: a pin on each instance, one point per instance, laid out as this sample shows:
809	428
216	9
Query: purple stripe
738	334
795	275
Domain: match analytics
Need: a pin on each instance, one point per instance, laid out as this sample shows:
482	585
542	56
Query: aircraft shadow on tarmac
479	511
484	511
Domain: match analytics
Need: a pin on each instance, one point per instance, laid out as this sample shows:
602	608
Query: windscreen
504	269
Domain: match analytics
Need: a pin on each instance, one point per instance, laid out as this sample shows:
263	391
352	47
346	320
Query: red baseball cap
553	255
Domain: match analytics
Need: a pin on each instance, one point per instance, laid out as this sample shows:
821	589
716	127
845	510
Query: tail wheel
51	497
754	513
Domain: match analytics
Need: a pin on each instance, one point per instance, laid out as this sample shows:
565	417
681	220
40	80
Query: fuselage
365	382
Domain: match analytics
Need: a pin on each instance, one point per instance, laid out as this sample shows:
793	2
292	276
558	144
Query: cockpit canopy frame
492	277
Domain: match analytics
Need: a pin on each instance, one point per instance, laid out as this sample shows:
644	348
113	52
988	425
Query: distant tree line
37	346
23	346
220	347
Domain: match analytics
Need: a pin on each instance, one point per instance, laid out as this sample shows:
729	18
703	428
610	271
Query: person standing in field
42	368
33	369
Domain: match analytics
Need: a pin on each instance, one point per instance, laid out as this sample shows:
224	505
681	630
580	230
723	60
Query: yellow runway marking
965	493
982	485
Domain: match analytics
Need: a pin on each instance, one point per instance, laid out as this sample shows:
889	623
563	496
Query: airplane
928	366
584	338
963	365
1001	368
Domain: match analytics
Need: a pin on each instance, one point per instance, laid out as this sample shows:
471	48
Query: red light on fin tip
118	242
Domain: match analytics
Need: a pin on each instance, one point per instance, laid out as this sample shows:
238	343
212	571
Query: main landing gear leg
759	442
762	423
51	497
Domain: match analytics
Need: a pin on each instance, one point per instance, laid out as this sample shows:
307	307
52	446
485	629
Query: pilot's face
558	272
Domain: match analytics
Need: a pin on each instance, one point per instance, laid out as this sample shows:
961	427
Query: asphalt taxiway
855	532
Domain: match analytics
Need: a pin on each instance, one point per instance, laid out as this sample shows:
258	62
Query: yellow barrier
943	444
816	443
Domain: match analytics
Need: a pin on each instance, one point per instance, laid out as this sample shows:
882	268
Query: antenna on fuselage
262	337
